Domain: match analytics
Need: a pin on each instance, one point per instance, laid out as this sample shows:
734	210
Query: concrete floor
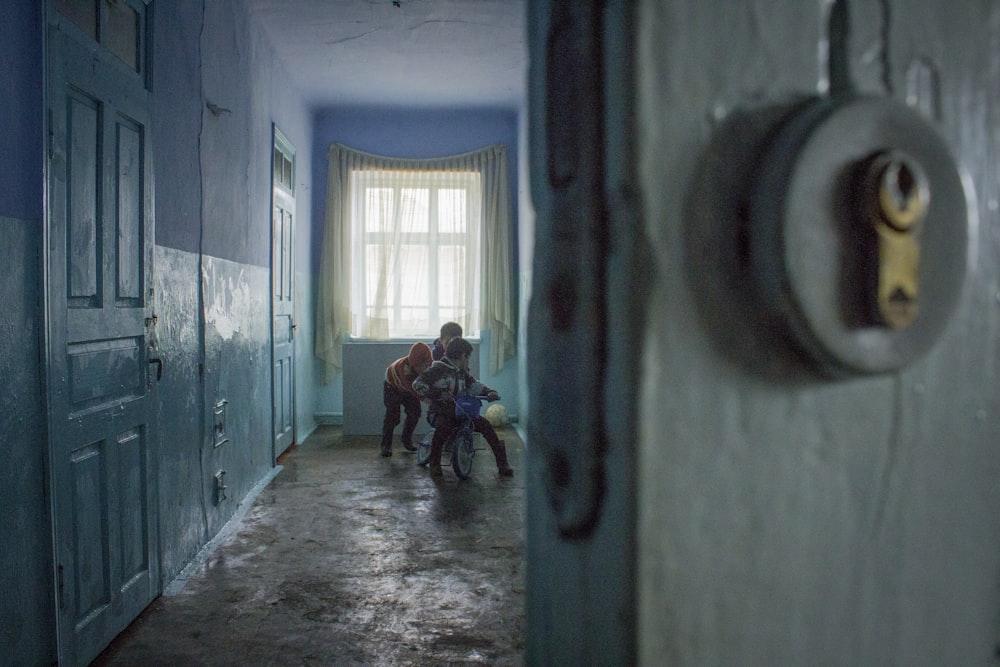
348	558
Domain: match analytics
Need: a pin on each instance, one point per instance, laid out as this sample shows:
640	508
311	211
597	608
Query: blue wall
213	194
26	592
177	109
21	112
212	175
411	133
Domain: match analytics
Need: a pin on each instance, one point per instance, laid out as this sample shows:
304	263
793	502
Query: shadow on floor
348	558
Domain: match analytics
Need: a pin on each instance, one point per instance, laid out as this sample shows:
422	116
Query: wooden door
282	295
99	239
581	528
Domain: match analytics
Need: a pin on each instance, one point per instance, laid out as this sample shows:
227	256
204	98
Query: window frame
434	181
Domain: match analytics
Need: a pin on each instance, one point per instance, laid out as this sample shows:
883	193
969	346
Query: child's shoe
503	468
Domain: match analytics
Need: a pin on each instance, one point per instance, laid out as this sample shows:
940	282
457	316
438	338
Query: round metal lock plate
809	236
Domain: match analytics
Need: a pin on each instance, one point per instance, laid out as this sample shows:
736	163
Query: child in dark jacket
397	391
449	332
441	383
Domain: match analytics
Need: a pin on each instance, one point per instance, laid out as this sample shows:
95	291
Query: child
445	379
449	332
397	390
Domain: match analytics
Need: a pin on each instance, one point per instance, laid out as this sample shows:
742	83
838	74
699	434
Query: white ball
496	414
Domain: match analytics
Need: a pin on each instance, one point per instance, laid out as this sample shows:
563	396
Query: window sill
399	341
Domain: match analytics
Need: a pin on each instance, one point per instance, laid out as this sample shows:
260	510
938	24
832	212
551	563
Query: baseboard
302	437
329	418
197	564
520	432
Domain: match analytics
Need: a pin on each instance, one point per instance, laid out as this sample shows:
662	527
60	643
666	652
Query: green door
99	238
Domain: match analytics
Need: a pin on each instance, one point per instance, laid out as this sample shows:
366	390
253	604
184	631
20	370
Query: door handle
159	368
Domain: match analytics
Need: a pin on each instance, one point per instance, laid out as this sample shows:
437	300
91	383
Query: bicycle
462	441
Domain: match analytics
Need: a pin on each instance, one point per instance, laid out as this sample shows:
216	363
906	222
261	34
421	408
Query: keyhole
903	193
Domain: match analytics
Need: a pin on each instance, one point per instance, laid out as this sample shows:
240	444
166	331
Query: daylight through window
416	250
412	243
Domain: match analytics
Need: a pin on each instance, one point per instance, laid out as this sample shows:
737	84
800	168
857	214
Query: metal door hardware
219	426
219	486
858	232
899	206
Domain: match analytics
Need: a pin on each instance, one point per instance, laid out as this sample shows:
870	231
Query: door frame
282	194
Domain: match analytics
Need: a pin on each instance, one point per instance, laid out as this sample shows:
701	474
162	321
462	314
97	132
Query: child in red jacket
397	391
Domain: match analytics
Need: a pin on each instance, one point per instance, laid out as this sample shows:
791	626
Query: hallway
347	558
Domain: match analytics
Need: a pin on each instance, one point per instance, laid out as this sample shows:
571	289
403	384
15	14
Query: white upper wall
402	53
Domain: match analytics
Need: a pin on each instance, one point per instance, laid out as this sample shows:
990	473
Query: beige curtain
492	300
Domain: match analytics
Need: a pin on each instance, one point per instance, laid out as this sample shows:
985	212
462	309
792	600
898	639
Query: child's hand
492	396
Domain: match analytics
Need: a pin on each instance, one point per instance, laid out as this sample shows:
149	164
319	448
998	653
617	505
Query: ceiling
413	53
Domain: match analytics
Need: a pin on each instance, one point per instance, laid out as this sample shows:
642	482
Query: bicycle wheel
424	448
462	452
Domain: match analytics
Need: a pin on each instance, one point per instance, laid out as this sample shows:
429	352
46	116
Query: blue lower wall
27	628
183	431
238	372
215	346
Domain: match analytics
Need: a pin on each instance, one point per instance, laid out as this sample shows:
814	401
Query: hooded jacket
401	373
443	381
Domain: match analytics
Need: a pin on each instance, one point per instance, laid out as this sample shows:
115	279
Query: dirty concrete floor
348	558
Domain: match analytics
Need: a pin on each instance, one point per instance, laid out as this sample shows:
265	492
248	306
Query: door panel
98	289
283	300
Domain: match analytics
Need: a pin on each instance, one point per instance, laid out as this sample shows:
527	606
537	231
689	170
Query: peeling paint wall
218	90
180	392
211	280
846	521
237	371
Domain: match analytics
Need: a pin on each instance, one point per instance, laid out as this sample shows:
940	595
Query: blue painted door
99	320
282	295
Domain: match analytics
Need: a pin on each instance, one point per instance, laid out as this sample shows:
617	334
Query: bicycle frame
461	442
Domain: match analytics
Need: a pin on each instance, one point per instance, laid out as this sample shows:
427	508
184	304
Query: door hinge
50	133
59	587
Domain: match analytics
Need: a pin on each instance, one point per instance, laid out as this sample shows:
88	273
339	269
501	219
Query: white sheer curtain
395	198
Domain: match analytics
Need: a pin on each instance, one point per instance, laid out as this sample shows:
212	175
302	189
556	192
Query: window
416	256
118	26
410	244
